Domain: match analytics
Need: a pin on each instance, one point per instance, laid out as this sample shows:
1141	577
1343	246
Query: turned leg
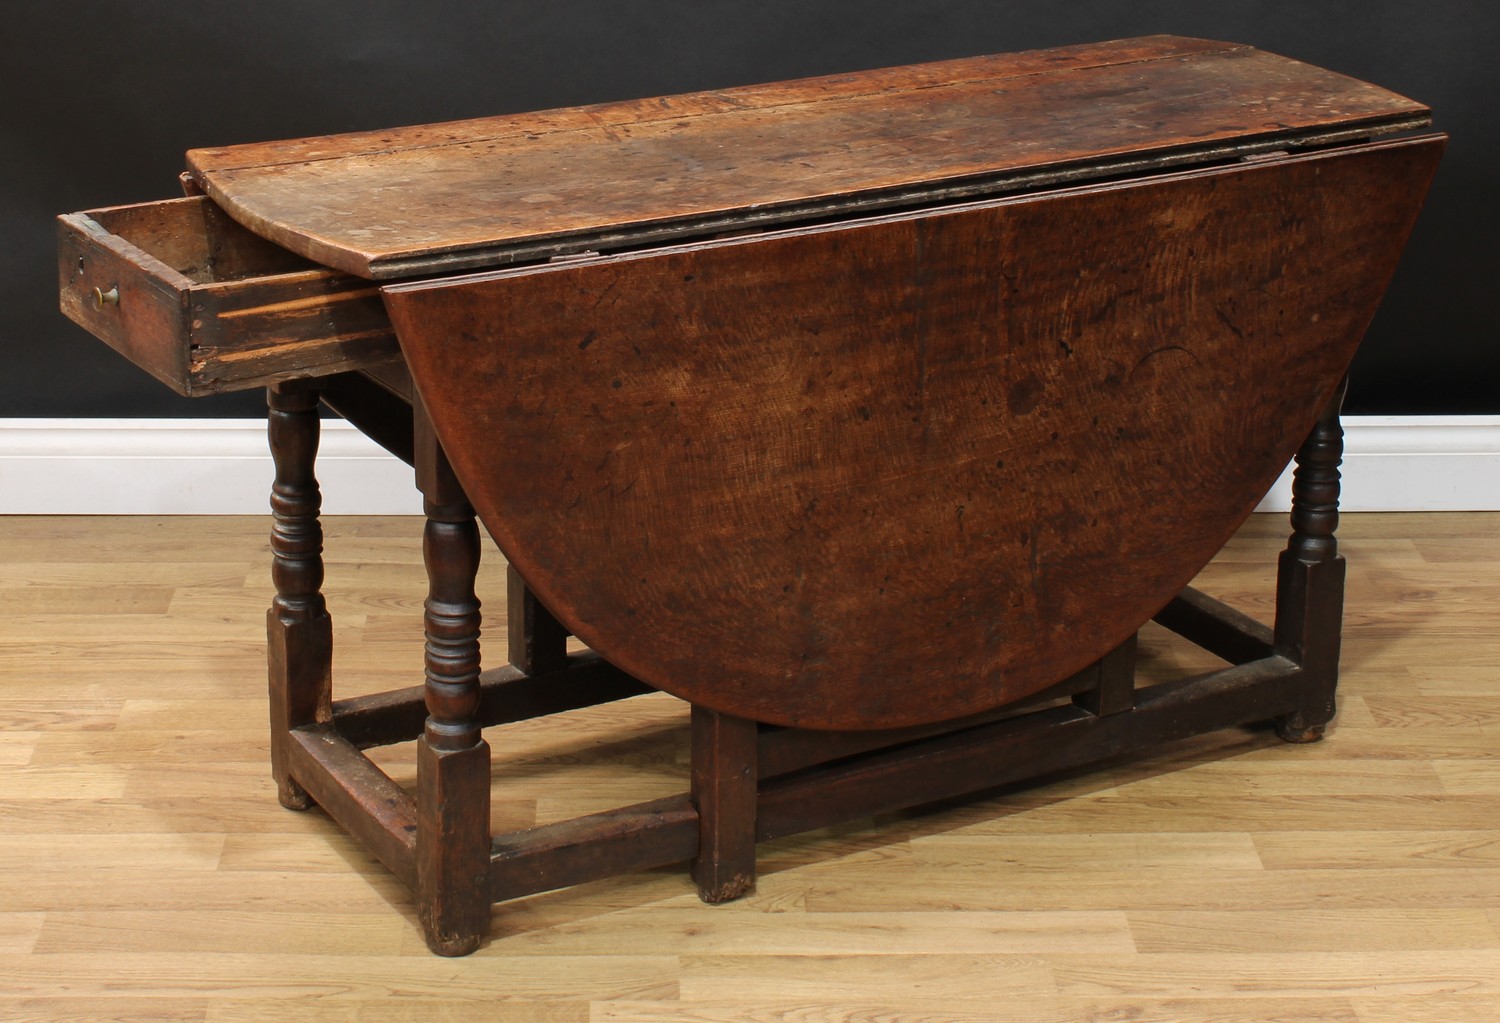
537	642
453	760
724	789
1310	578
299	633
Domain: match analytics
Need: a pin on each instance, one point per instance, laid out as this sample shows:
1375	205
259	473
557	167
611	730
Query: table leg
1114	691
1310	578
453	760
724	791
299	632
538	643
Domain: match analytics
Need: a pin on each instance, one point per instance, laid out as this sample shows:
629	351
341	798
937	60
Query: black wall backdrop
100	100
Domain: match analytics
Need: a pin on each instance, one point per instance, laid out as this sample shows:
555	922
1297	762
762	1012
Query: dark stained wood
393	376
587	848
452	854
506	695
205	306
915	468
1113	691
1216	627
1029	746
378	413
362	798
1310	577
481	193
724	782
147	326
950	764
299	632
537	642
783	750
453	760
912	480
197	240
627	113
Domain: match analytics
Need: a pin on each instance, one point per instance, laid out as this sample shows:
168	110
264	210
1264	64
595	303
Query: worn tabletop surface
496	190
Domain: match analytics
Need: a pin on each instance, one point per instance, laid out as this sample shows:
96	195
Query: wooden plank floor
147	872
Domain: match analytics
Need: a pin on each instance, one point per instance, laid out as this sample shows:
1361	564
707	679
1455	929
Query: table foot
292	796
1294	728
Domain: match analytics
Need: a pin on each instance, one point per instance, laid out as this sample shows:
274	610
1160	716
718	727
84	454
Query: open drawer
184	292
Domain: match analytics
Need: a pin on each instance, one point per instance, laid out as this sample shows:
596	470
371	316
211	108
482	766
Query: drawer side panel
146	325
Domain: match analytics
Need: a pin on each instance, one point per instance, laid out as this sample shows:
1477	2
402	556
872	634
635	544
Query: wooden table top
895	471
498	190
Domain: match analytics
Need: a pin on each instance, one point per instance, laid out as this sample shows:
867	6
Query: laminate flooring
148	873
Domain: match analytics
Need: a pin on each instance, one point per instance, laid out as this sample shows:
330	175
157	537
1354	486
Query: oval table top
897	471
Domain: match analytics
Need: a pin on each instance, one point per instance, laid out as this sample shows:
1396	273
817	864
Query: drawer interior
198	240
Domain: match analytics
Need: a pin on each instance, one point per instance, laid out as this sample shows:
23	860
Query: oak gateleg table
872	415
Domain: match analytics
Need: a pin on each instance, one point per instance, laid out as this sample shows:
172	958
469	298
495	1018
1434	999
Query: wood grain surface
495	190
147	872
911	469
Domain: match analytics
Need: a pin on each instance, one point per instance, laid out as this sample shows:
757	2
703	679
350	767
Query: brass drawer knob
103	298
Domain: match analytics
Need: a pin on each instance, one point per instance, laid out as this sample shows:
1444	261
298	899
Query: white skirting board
184	466
222	467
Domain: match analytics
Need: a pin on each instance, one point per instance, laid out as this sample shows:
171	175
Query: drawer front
129	300
205	306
